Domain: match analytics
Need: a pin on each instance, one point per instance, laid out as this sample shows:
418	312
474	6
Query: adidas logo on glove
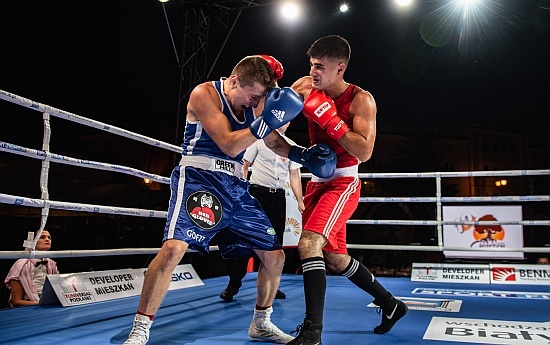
279	114
280	107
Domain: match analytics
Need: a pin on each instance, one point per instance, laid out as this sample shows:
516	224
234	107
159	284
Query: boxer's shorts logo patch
204	209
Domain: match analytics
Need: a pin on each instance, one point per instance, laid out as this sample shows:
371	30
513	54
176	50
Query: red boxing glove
276	66
321	109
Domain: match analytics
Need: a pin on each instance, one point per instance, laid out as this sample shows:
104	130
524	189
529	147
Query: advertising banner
483	236
520	274
89	287
482	331
451	273
293	222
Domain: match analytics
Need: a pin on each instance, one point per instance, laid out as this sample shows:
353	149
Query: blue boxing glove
281	106
319	159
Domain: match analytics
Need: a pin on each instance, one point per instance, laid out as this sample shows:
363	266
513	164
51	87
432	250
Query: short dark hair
332	46
254	69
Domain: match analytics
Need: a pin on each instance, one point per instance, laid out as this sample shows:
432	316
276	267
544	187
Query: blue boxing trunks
208	198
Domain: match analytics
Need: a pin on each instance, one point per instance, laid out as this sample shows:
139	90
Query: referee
267	185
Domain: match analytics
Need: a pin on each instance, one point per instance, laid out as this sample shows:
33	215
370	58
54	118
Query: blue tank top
197	142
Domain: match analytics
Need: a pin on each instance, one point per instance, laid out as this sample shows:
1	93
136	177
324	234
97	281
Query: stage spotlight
344	8
467	4
290	10
403	2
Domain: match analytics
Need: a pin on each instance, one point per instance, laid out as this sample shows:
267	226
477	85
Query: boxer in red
342	116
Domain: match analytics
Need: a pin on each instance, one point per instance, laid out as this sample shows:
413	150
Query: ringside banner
480	331
481	273
483	236
520	274
89	287
452	273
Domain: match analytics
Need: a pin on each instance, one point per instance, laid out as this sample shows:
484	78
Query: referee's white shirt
269	169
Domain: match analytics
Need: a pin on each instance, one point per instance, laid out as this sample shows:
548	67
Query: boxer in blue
209	195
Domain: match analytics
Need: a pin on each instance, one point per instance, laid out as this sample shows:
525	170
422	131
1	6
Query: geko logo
504	274
176	277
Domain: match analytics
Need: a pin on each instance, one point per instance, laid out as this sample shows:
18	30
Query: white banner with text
89	287
481	273
483	236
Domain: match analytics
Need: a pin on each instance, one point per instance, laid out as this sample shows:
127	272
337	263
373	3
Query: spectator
542	260
26	277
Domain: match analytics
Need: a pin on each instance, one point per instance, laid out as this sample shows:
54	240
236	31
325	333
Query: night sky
429	67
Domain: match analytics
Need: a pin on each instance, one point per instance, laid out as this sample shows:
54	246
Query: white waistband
352	171
214	164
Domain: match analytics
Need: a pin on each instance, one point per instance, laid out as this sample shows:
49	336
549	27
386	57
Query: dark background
114	62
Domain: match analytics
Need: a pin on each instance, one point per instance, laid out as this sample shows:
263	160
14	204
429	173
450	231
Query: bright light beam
465	17
403	2
466	4
290	10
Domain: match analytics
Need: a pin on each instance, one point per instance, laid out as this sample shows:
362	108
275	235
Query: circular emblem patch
204	209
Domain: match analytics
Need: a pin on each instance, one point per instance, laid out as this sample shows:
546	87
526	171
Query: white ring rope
10	97
39	154
79	207
47	204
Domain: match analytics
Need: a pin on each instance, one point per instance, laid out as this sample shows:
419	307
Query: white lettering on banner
482	293
487	331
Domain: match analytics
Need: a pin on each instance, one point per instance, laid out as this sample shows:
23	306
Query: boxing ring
197	316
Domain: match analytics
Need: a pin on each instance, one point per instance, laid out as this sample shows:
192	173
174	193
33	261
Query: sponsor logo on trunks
225	165
271	231
204	209
195	236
